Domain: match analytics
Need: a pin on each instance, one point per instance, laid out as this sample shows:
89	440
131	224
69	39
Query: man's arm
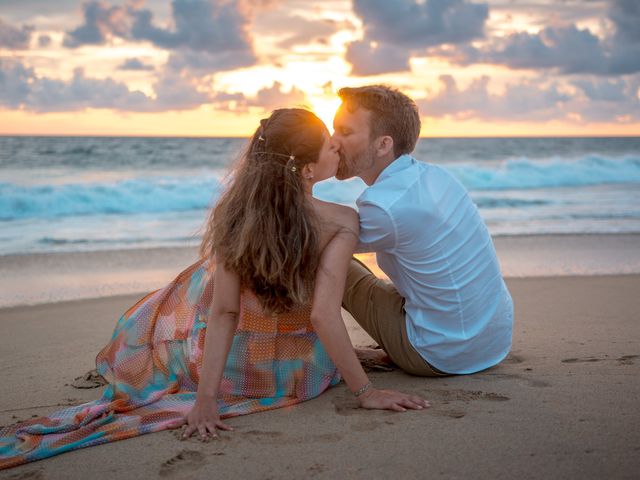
377	230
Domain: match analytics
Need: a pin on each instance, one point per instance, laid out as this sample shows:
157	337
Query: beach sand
564	404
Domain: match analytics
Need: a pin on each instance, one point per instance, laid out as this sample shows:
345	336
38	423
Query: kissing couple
255	324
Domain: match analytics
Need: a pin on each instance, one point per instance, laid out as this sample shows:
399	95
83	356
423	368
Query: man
448	310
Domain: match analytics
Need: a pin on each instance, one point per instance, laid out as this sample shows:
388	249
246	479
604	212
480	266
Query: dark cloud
135	64
607	100
413	24
526	100
177	92
536	100
368	59
15	38
625	14
199	25
44	40
14	83
101	22
604	90
204	35
201	63
393	31
567	49
21	88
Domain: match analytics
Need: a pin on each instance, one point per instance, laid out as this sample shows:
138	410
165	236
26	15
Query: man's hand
391	400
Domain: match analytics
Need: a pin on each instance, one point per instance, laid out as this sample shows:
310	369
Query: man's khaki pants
378	308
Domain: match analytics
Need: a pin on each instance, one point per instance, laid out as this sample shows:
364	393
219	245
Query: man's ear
384	145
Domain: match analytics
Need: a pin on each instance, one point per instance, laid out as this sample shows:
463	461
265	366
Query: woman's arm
221	328
326	319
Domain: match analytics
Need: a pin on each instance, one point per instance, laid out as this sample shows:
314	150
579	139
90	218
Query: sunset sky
215	67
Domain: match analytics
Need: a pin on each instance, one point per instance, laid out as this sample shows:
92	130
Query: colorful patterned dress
153	362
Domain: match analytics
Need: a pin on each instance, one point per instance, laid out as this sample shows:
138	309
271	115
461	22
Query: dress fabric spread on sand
153	362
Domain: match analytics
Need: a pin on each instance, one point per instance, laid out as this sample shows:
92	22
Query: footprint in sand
623	360
344	406
316	469
264	433
31	475
453	413
91	379
512	359
186	460
365	426
468	395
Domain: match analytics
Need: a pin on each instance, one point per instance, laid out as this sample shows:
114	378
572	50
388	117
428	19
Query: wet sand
564	404
53	277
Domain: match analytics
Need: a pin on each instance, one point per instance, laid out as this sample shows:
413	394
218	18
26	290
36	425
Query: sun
325	107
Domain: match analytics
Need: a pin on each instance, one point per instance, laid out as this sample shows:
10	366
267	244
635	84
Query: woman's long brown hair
263	227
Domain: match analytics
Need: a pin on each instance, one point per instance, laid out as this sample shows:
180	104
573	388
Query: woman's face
328	159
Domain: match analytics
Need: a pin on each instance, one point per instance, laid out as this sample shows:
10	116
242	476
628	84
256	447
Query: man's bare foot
374	359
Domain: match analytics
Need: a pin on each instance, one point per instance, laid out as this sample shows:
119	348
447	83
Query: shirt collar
400	163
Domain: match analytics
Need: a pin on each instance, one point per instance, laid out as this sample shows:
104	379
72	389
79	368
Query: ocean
79	194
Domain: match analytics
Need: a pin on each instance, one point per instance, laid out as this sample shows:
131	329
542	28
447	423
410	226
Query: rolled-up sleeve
377	231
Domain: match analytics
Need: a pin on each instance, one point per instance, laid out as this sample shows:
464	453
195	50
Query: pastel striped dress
153	363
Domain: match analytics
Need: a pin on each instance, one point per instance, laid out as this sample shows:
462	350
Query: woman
255	324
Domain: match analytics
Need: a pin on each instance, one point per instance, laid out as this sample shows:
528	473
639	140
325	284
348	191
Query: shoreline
45	278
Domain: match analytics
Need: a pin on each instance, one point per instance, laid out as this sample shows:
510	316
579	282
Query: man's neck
370	176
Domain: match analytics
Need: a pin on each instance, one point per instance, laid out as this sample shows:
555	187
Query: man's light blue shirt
432	243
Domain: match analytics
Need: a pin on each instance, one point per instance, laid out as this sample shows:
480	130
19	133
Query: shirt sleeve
377	230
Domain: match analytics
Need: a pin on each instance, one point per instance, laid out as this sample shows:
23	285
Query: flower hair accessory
290	164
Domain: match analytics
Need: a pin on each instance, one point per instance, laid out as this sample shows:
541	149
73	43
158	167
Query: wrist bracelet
363	389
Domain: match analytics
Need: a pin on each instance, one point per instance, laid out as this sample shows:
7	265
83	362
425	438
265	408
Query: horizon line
249	136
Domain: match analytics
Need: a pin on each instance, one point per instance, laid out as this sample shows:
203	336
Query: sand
564	404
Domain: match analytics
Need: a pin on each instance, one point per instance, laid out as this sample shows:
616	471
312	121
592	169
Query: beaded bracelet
363	389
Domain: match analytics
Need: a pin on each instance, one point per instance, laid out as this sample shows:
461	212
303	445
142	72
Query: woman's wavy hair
263	227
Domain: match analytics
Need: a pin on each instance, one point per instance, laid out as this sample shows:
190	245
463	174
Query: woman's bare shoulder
337	216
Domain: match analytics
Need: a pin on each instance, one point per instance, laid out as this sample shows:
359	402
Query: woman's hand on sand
204	420
391	400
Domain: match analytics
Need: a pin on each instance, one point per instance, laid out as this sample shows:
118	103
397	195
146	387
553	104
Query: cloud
569	48
135	64
274	97
199	25
526	100
101	22
44	40
21	88
393	31
374	59
204	35
606	100
267	98
177	92
566	48
536	100
202	63
302	31
15	38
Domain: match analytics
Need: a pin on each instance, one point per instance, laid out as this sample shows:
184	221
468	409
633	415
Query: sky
216	67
